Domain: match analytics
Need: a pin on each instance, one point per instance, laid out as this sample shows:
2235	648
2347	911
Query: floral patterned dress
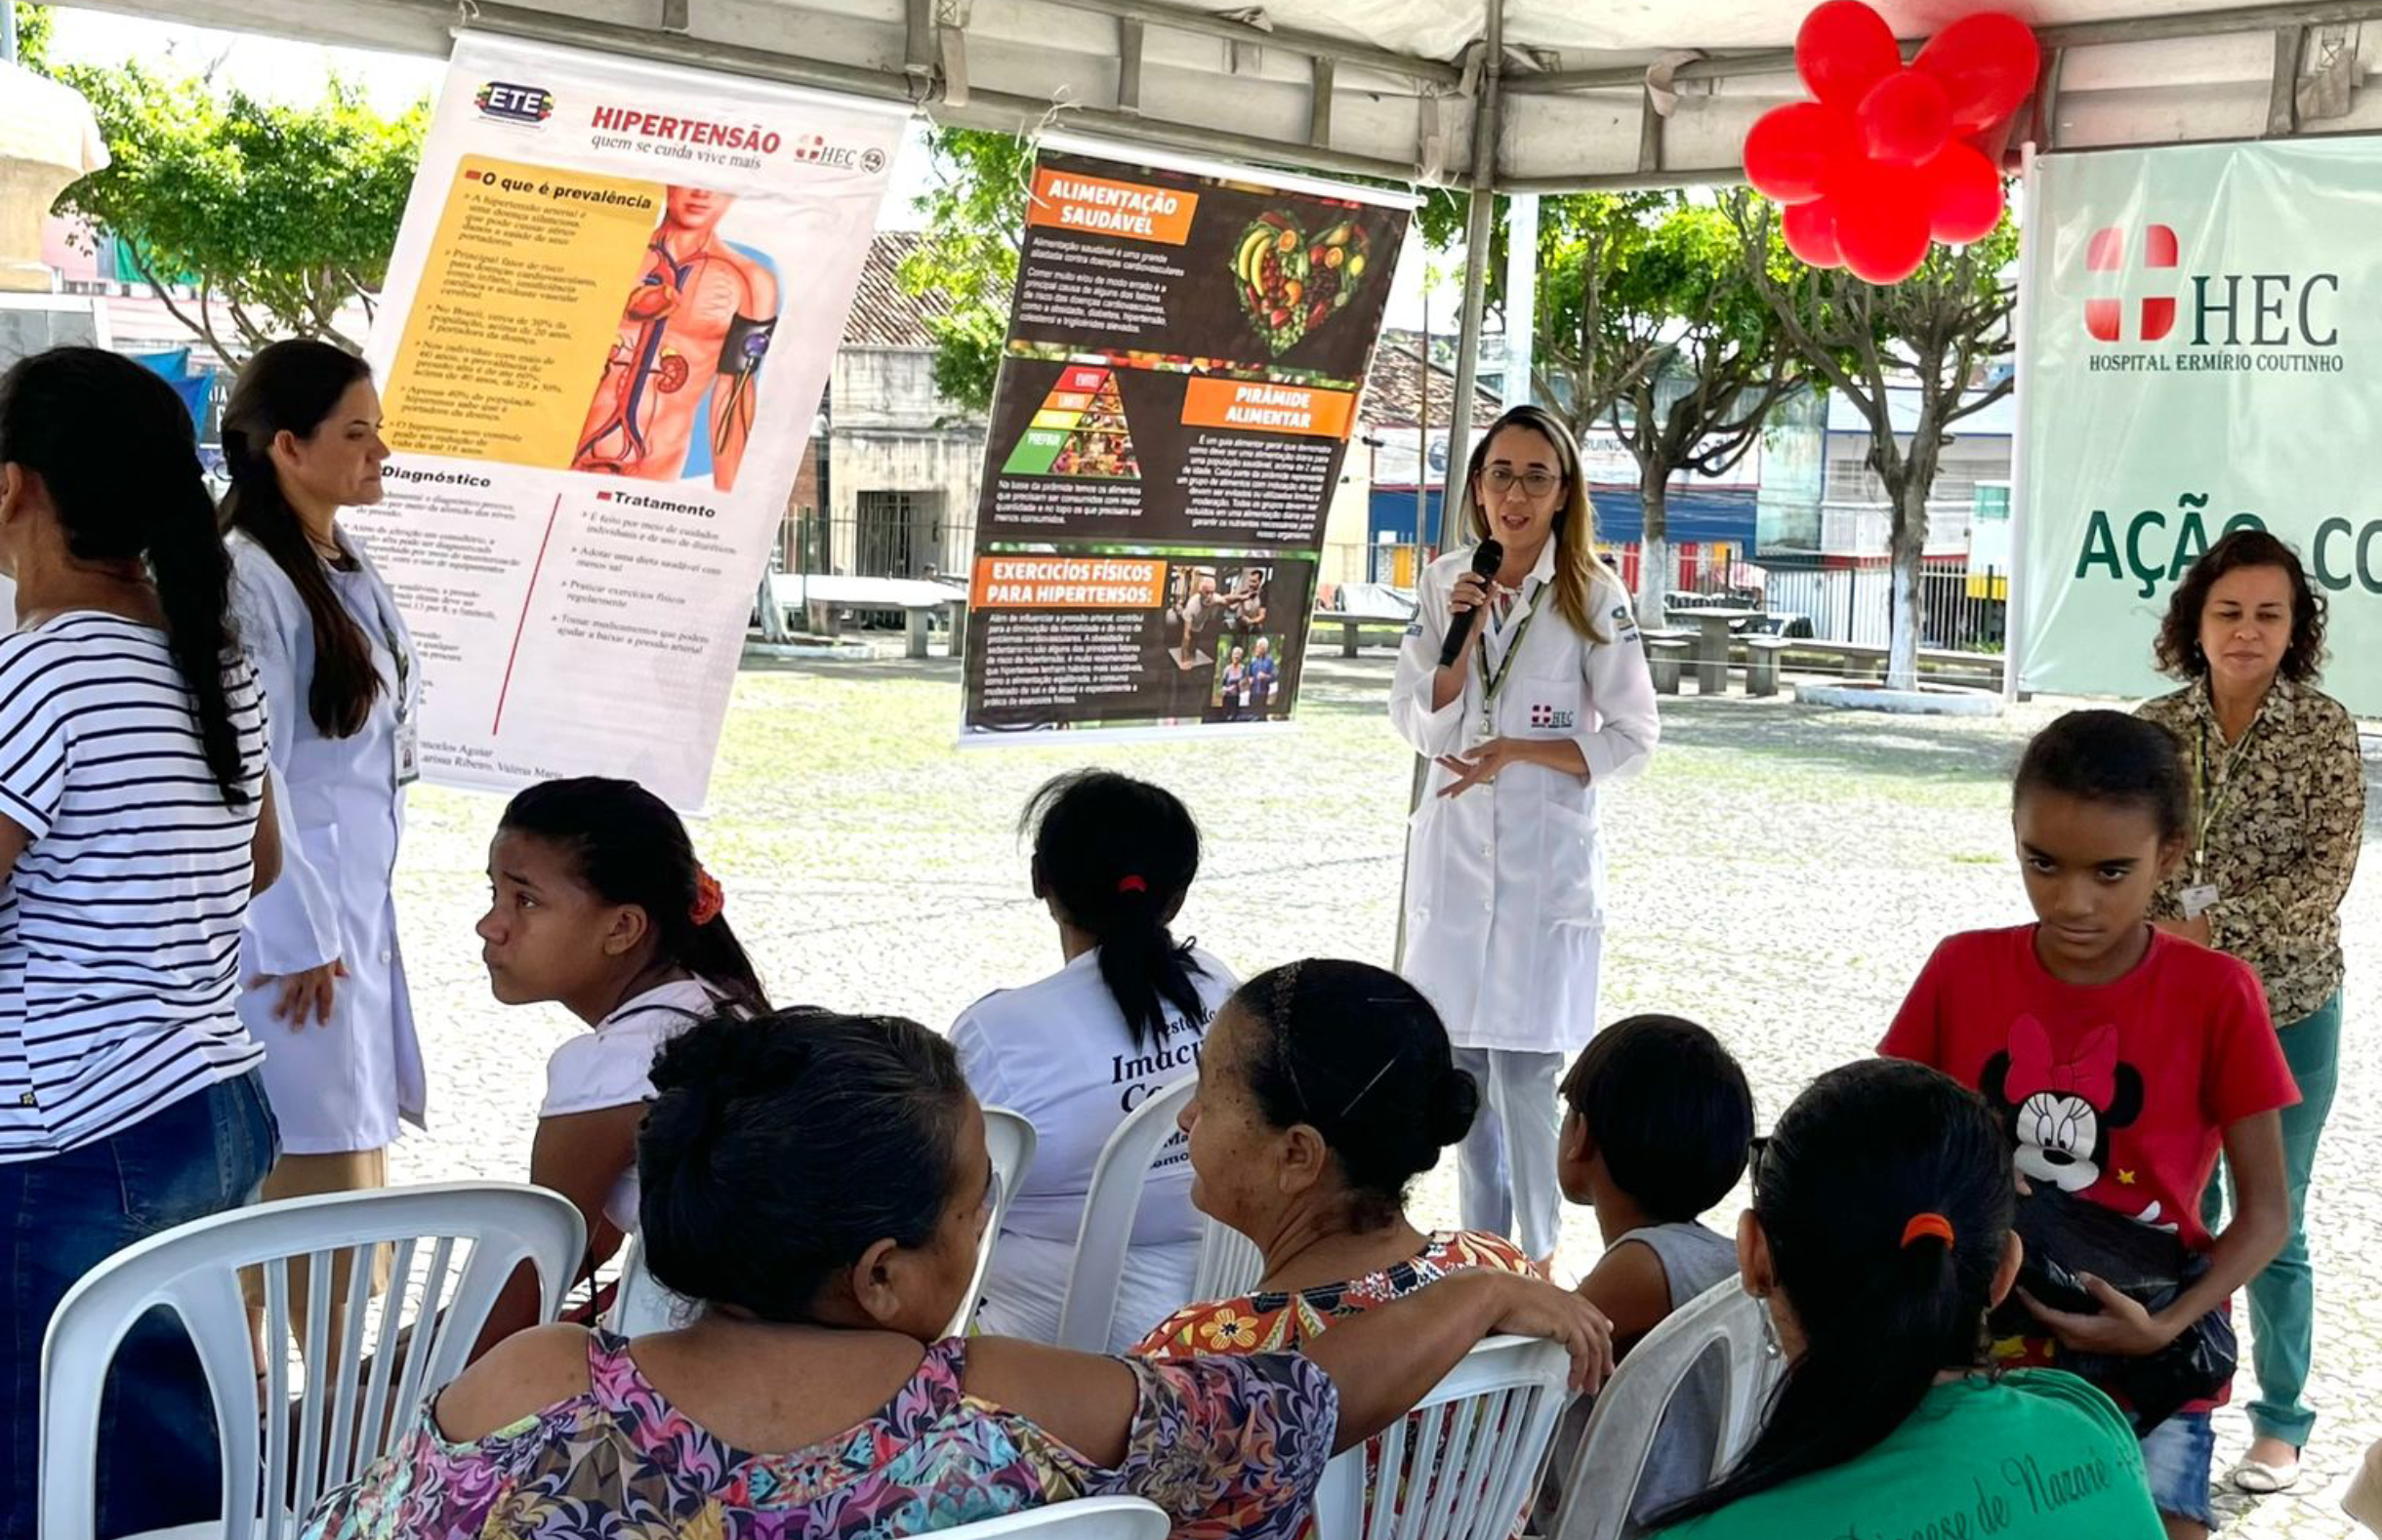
1228	1447
1280	1322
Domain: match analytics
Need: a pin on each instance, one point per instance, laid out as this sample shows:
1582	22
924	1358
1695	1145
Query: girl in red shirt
2122	1058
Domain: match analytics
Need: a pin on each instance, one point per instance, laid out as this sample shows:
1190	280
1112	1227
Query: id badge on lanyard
1493	684
406	736
2203	895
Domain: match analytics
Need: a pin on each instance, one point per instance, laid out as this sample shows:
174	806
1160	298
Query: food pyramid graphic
1078	431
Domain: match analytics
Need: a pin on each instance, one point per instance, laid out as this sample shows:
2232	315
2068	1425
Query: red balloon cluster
1888	158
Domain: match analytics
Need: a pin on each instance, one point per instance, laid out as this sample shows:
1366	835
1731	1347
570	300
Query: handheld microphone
1487	557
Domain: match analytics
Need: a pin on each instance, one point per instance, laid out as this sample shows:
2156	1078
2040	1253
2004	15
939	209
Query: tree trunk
1654	549
1908	540
772	618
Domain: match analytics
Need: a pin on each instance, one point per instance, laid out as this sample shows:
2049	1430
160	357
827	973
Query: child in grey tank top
1659	1122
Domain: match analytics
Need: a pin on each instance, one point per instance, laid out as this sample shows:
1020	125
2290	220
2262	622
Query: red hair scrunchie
709	899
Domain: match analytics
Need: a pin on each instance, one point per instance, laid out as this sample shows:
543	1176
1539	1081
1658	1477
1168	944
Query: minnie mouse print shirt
2119	1093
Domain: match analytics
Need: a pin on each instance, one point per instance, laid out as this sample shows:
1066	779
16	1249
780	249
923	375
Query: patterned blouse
1278	1321
1227	1448
2290	800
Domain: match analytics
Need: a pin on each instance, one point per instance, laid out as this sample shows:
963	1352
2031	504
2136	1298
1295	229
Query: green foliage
975	220
277	215
32	35
1649	324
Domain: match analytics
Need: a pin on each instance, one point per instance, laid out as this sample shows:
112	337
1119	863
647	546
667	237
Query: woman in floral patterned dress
819	1181
1325	1090
2281	795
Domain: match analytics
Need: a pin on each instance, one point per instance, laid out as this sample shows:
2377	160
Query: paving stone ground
1780	873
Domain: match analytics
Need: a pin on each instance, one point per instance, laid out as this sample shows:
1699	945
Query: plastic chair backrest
1085	1519
1464	1464
1008	1140
640	1306
1090	1308
1229	1264
1601	1488
346	1416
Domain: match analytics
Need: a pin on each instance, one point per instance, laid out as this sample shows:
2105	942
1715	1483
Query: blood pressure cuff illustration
746	345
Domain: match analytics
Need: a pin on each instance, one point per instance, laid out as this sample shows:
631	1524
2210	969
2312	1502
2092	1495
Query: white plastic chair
346	1418
640	1306
1601	1488
1085	1519
1008	1140
1465	1463
1228	1264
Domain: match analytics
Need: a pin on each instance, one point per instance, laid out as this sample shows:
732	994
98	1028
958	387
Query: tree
975	229
1935	330
278	216
32	34
1649	325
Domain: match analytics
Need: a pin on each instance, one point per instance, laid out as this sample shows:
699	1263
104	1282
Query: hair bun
1453	1110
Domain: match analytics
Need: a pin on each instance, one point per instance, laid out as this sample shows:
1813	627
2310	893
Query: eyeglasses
1501	479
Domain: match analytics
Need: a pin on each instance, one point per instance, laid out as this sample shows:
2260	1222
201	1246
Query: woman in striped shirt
135	821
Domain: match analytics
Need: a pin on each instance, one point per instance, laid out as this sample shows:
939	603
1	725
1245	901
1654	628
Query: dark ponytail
1885	1305
1357	1054
114	449
631	848
1118	855
293	387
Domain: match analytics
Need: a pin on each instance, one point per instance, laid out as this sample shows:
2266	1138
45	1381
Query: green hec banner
2204	352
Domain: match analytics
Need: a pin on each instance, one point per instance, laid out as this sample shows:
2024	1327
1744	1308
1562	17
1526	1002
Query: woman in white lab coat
1548	705
325	986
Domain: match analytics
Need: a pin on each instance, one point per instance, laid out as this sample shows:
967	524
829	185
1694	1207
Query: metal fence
1960	610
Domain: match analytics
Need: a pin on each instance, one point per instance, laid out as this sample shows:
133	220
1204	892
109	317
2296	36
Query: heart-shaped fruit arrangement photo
1288	284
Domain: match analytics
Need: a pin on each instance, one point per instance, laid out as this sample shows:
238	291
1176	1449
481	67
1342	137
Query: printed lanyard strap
2214	796
1491	684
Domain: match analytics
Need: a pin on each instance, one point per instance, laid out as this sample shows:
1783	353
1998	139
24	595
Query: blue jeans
63	1215
2177	1457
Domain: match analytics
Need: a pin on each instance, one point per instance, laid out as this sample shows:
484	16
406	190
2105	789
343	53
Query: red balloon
1843	49
1883	224
1811	233
1965	196
1791	150
1988	63
1905	119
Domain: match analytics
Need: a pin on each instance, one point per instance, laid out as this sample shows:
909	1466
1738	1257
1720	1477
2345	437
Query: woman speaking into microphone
1542	701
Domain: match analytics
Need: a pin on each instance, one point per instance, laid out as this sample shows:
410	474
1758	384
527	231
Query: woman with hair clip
1545	707
326	991
1075	1052
136	820
1878	1239
597	903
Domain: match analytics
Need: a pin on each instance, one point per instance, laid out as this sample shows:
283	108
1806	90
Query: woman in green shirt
1878	1239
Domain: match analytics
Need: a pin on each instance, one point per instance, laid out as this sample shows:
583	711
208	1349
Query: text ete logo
516	103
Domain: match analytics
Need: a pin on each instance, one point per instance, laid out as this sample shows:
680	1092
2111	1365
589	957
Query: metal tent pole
1479	216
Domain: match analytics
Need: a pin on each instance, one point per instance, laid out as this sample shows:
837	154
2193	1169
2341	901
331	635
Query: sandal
2261	1479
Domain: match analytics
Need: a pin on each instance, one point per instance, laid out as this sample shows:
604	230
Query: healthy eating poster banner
615	298
1187	342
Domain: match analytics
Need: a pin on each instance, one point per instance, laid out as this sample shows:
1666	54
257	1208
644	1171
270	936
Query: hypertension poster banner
2205	353
615	298
1187	346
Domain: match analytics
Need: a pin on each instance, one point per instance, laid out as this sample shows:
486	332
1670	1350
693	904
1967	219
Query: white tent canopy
1581	92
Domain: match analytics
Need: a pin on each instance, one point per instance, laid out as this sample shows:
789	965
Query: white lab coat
1504	902
343	1086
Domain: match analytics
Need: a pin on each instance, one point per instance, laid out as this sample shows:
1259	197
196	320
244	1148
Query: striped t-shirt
120	925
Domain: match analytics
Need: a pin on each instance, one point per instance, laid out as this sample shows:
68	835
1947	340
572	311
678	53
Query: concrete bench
1667	656
1762	664
1353	626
